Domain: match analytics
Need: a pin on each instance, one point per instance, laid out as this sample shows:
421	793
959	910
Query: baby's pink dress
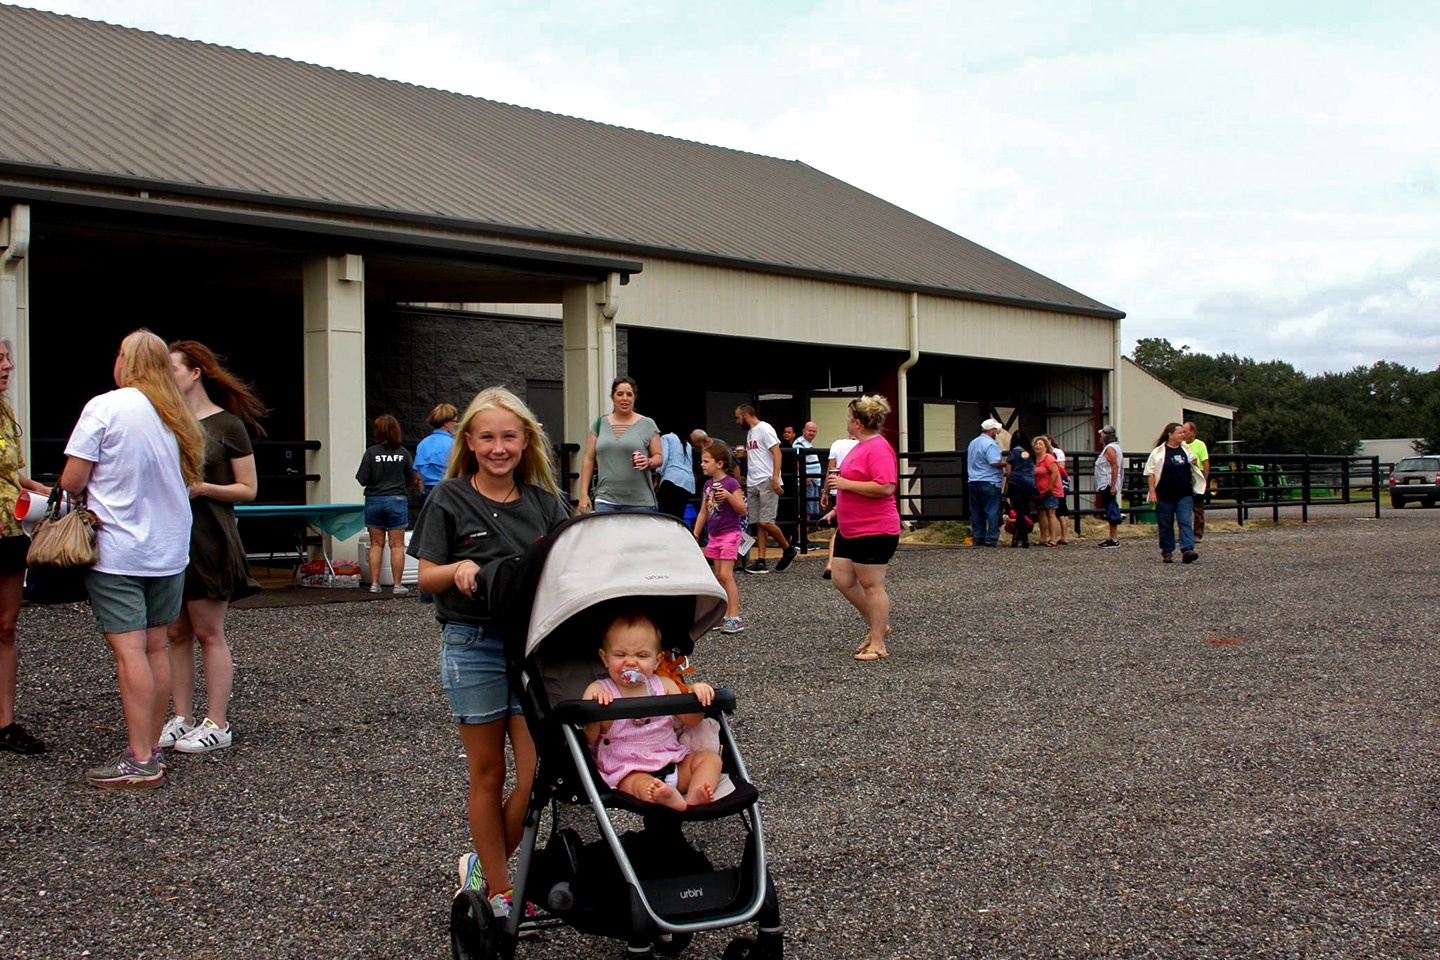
648	744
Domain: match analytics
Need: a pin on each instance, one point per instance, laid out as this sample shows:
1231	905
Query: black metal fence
934	486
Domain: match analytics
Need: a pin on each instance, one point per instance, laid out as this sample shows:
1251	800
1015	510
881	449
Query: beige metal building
293	216
1151	403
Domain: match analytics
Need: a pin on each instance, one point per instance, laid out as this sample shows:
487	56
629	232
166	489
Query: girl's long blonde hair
145	365
535	467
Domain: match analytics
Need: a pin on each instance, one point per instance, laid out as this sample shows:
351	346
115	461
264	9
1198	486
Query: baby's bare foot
700	793
665	795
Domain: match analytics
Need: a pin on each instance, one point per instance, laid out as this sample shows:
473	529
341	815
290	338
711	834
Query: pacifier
630	675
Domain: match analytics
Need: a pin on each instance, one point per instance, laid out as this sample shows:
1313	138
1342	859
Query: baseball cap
991	424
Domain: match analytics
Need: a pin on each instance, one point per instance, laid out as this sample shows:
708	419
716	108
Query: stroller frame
740	894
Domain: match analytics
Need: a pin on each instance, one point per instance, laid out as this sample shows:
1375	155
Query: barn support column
15	312
334	300
588	332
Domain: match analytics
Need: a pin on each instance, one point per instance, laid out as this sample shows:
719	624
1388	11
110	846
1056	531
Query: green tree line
1284	410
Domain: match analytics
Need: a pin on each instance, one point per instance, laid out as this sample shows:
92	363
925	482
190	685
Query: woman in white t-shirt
838	449
136	453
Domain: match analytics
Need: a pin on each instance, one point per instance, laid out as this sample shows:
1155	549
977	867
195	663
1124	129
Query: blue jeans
812	498
984	512
1167	514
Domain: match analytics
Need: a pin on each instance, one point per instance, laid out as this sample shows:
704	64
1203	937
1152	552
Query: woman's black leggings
1020	503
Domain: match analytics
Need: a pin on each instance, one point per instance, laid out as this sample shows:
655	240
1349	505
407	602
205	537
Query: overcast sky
1260	178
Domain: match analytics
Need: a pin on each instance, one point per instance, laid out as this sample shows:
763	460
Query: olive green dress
218	569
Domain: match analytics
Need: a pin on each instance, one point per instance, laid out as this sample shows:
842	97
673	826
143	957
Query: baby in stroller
644	757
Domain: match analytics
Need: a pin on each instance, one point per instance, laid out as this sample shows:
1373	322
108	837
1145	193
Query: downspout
902	402
609	307
1116	360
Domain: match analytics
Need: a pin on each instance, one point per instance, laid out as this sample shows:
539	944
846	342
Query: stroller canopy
605	556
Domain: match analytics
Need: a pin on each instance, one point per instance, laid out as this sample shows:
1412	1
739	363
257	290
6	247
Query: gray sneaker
732	625
125	772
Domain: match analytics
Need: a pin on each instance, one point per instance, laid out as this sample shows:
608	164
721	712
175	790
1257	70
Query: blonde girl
498	497
135	453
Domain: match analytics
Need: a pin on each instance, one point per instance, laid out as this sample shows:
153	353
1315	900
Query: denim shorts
124	604
387	513
472	671
1048	502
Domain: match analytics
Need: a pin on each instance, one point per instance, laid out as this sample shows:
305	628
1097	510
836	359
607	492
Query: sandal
867	655
865	643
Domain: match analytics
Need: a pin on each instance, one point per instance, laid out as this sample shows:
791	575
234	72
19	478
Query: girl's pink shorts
724	547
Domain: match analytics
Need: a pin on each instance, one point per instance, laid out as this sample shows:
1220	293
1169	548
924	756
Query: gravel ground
1071	752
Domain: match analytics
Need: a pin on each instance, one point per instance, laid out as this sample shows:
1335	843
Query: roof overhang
322	231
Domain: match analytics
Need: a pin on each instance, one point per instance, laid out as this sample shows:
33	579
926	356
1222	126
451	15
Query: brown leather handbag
64	541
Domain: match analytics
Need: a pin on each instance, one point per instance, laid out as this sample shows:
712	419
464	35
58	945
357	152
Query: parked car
1415	478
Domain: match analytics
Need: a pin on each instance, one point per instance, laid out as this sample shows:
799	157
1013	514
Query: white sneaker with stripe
204	738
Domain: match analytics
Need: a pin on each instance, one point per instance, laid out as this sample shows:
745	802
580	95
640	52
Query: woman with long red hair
218	572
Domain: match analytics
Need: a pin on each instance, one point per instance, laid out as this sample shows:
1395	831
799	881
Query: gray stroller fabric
621	555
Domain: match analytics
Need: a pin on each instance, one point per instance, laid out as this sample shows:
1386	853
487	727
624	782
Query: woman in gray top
622	453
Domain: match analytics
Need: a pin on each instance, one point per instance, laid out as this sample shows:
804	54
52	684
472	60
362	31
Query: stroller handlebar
631	708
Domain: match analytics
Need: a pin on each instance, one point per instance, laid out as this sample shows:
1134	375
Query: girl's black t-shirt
457	523
1174	481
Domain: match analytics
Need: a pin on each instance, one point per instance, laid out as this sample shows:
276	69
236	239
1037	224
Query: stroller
648	887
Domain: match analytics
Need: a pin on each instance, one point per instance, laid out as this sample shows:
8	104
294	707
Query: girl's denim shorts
472	671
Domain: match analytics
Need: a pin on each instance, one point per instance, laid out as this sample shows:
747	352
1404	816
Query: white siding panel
672	295
966	328
1148	404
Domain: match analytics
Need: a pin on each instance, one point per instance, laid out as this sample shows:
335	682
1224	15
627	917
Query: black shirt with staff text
386	471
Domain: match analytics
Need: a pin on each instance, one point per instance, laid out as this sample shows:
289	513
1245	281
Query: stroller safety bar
631	708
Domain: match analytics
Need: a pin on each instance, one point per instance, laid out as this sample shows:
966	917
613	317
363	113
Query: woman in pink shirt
869	521
1047	491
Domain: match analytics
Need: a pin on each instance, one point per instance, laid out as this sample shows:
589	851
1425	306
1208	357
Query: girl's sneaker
204	738
472	877
732	625
503	903
174	729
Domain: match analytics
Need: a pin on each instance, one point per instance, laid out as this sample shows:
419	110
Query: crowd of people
1021	486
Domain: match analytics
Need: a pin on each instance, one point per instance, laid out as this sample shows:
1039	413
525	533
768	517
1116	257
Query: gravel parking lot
1070	753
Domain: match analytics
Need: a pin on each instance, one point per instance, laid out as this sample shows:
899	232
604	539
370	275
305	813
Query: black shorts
12	554
875	550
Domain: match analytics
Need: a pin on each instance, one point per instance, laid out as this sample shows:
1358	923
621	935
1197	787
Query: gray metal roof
92	98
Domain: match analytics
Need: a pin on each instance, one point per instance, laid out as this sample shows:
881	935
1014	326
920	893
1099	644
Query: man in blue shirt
982	466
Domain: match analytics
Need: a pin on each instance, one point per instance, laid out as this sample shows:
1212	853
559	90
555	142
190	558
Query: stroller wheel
675	945
474	933
738	949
